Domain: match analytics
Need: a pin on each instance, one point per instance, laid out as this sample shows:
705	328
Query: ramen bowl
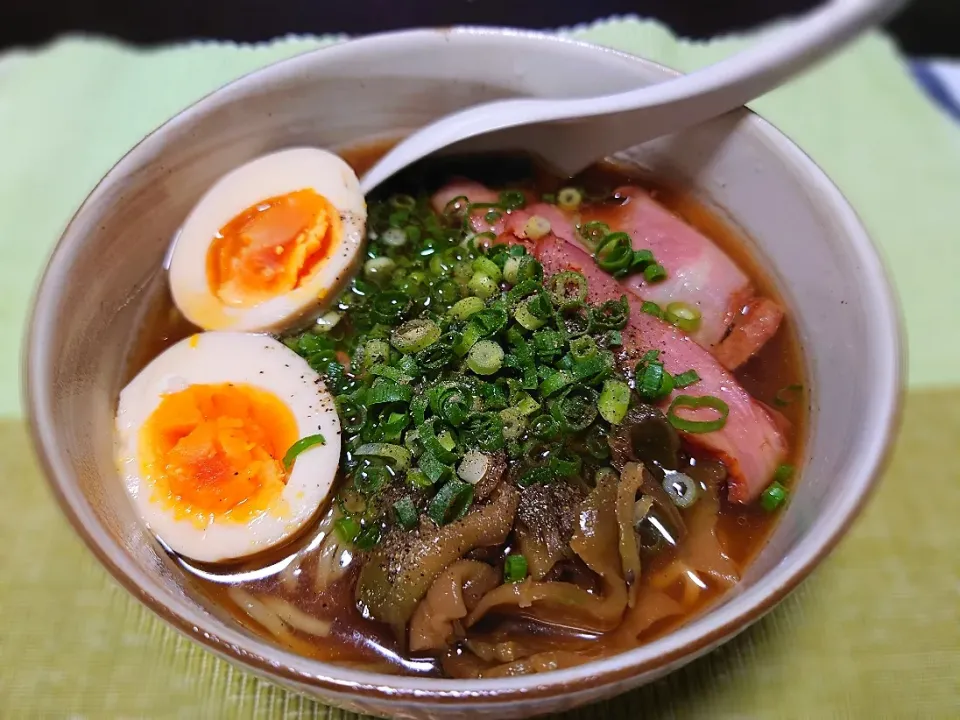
109	263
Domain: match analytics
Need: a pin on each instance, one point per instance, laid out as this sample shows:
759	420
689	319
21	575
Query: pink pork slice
475	193
513	222
698	272
735	323
750	443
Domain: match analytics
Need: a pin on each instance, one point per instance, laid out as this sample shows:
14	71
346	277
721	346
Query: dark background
927	27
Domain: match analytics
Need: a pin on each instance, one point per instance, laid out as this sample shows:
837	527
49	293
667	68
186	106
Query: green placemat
875	632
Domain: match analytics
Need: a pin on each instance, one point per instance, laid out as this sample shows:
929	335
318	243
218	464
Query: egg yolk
215	452
272	247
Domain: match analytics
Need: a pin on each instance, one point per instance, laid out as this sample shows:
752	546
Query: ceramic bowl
107	265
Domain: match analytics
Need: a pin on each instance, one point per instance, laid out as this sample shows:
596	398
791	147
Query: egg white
271	175
224	357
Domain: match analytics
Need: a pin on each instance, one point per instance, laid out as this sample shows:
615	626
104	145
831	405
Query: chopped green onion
402	201
612	314
481	325
371	475
684	379
408	366
640	260
547	344
415	335
537	475
376	352
614	338
485	358
347	529
418	480
682	489
394	237
438	355
493	395
574	319
773	497
446	292
389	307
530	269
511	269
651	308
526	318
406	512
451	502
514	568
574	408
523	289
593	233
614	401
514	423
299	446
493	216
482	285
655	272
326	323
512	199
483	431
385	391
390	429
432	468
525	404
457	206
788	394
399	455
582	348
595	442
695	402
564	463
352	412
684	316
378	268
441	264
432	443
536	227
487	267
783	473
544	427
451	401
569	198
652	381
594	368
615	253
368	537
567	287
555	383
540	306
463	309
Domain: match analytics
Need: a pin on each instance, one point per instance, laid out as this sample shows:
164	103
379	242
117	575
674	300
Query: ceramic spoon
572	133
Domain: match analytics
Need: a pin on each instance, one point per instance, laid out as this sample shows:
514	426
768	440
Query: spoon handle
645	113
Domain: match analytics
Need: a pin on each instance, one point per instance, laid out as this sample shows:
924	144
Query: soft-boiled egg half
270	243
203	432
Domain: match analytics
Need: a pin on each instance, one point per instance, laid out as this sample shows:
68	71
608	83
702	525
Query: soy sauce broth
354	640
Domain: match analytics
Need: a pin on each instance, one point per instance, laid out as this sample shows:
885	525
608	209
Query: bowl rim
678	647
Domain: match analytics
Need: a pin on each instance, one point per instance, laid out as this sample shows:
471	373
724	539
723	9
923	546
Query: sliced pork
751	443
735	322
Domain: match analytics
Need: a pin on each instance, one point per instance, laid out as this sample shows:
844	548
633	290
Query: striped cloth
940	79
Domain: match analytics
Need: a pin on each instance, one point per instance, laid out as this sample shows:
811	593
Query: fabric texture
875	632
